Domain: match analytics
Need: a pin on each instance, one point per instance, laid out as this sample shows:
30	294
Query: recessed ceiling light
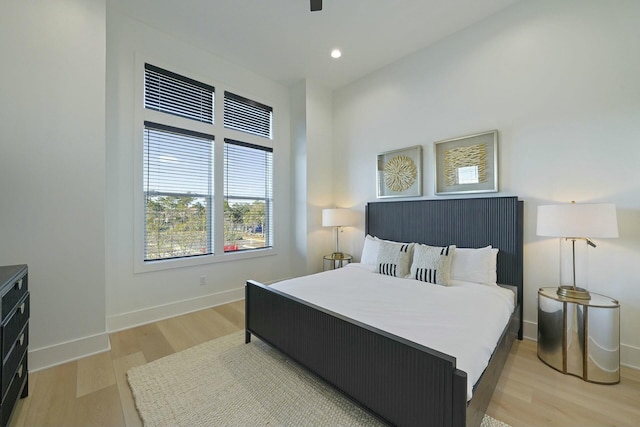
335	53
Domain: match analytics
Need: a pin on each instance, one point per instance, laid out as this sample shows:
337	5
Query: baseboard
47	357
132	319
629	355
530	330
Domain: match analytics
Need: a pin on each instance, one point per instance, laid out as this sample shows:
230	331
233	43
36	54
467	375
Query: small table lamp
337	218
573	222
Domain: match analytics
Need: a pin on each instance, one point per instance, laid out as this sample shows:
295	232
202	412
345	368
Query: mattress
463	320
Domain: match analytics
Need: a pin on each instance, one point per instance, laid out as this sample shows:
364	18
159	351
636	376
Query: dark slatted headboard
466	223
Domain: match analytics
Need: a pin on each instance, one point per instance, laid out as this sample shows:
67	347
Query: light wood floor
93	391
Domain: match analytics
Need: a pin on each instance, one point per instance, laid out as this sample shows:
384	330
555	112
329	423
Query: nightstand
580	337
336	260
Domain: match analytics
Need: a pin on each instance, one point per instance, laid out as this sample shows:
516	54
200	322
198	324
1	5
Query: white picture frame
467	164
399	173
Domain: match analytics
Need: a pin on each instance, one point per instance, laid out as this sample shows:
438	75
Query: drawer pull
21	340
22	308
20	371
19	284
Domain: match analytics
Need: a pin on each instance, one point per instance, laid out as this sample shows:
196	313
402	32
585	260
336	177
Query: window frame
217	129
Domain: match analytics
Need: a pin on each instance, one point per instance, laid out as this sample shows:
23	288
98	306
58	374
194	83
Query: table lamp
577	222
337	218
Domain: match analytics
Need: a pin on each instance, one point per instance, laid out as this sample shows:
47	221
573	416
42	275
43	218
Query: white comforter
464	320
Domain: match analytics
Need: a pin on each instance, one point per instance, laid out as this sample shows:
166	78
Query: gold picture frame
467	164
399	173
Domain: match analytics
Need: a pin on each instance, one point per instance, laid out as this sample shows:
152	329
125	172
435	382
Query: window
180	172
175	94
246	115
248	196
248	170
178	193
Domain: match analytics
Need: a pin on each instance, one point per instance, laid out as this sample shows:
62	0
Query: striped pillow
432	264
394	258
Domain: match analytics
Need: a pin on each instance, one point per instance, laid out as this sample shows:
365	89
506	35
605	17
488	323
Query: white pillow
432	264
370	250
475	265
493	267
394	258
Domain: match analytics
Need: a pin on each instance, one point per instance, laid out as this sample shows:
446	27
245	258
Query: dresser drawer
14	325
13	359
14	293
17	381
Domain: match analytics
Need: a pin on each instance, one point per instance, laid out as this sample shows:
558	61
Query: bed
400	381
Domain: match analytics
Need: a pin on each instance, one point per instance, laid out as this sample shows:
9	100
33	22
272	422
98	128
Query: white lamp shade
337	217
579	220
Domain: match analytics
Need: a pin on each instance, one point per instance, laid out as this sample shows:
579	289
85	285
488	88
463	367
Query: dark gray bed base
402	382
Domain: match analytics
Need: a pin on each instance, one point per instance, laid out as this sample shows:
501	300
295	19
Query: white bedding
464	320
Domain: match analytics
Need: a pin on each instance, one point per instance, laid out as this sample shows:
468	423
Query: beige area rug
225	382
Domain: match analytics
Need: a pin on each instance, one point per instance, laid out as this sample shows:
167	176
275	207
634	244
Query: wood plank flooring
94	392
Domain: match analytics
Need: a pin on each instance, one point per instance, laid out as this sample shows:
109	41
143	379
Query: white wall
320	172
52	169
134	298
300	226
312	185
559	80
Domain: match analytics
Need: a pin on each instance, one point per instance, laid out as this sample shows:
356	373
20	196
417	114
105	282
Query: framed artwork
468	164
399	173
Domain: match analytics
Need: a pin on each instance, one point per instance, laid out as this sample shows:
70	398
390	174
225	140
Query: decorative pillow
432	264
475	265
370	250
394	258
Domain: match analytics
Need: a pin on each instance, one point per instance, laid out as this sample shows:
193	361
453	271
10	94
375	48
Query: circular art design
399	173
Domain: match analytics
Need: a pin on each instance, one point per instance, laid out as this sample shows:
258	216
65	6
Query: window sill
168	264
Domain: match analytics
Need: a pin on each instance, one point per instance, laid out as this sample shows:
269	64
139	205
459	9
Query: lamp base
337	255
574	292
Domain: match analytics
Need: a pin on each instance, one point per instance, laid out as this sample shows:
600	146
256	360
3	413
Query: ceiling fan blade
316	5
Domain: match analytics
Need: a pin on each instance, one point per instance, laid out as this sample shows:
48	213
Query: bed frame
401	382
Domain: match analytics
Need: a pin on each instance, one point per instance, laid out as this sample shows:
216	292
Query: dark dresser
14	337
